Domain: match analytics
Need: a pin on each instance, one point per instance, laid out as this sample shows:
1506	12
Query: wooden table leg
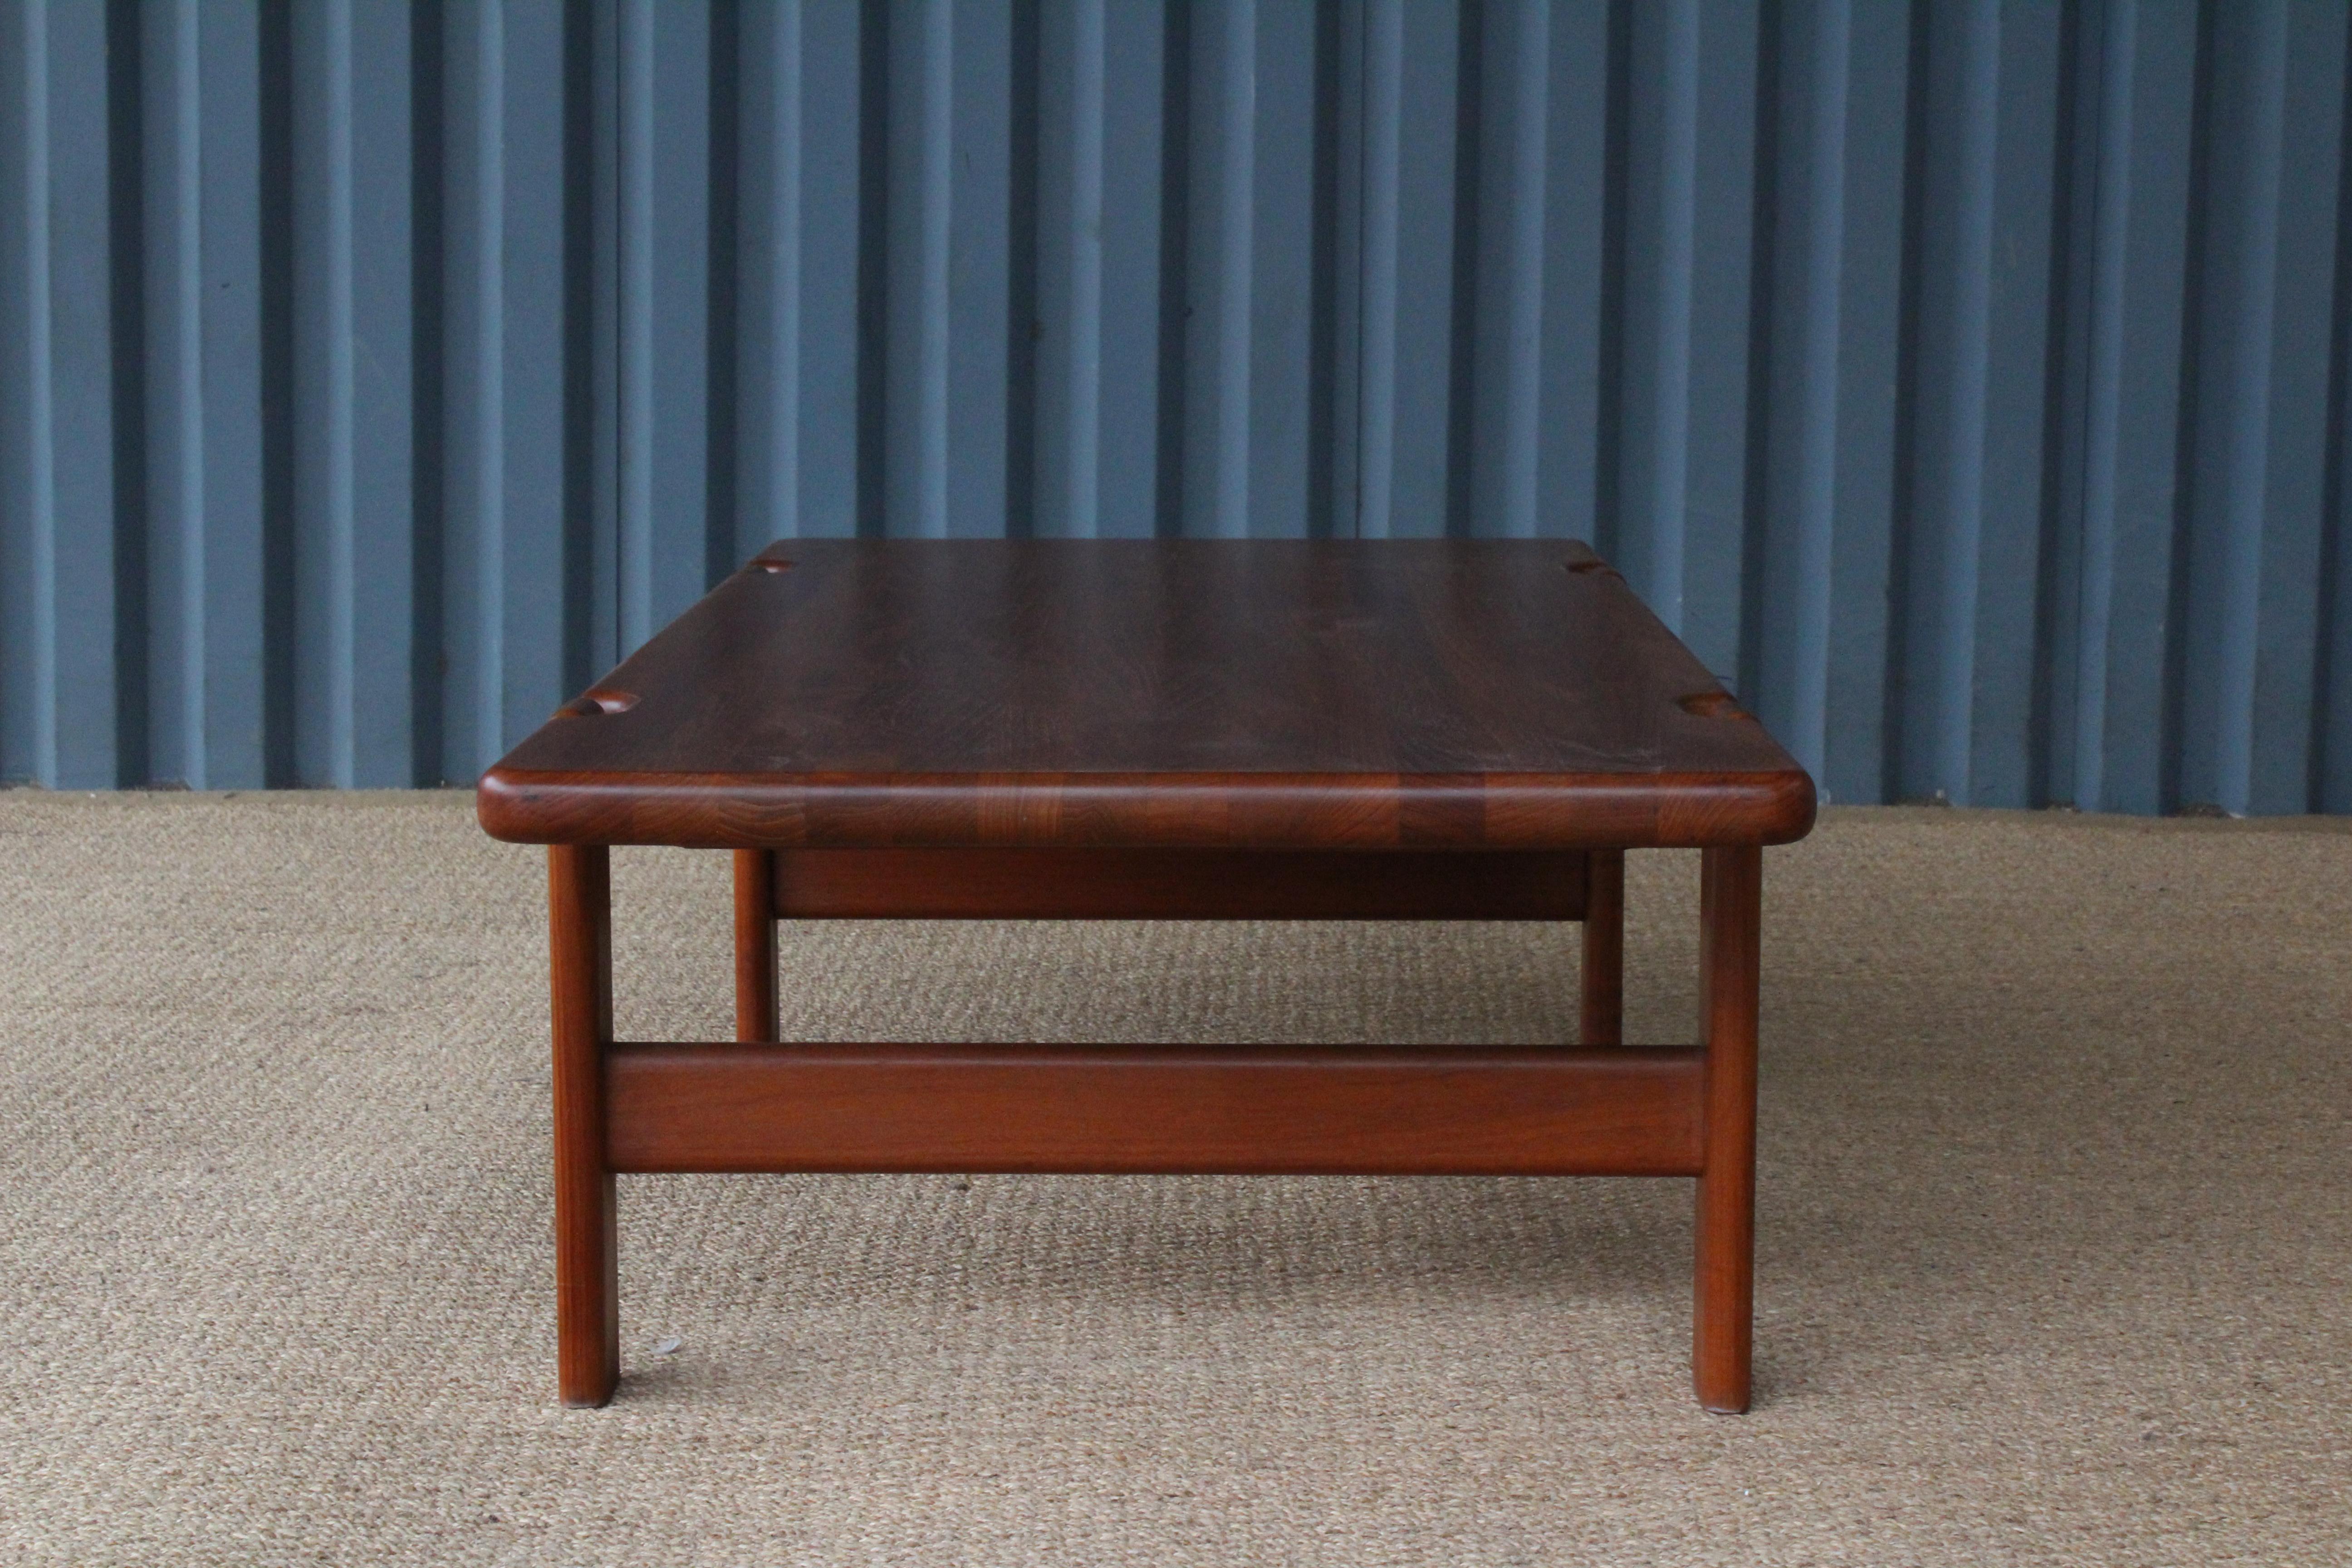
1603	1022
587	1283
1730	900
755	946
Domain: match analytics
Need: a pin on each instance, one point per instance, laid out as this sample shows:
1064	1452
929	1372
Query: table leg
1730	900
755	947
587	1283
1603	1022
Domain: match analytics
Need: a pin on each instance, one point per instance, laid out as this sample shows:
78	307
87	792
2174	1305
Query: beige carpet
2055	1255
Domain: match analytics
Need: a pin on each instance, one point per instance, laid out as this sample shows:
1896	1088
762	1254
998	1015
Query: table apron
1181	884
1243	1109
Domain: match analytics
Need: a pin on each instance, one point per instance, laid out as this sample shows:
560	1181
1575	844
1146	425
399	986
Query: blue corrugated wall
1965	379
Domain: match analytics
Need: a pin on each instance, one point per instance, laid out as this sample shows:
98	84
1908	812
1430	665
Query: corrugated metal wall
1964	379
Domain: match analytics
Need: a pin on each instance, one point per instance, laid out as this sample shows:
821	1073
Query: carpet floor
2055	1245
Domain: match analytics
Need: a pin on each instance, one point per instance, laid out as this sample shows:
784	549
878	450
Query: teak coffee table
1178	730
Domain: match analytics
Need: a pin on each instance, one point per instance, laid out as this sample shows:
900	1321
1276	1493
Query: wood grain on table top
1274	693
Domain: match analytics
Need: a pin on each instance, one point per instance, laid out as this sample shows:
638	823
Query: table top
1291	694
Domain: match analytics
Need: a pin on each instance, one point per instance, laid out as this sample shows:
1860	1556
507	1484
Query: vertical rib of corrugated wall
1965	379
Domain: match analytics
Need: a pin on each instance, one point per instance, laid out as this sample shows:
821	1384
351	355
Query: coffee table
1172	730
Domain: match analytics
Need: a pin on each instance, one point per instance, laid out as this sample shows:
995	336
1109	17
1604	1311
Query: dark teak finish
587	1281
1175	884
755	945
1192	694
1159	730
1255	1110
1604	947
1732	884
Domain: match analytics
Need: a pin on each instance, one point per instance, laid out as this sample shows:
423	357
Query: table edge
1193	810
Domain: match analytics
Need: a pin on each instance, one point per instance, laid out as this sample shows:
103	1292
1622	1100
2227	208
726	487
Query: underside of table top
1275	694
